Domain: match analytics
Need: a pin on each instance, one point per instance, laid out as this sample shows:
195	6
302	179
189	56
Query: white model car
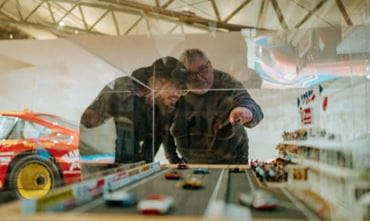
259	199
122	199
155	205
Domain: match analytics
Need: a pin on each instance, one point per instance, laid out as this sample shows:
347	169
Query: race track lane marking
253	187
309	214
217	188
100	200
219	209
214	194
144	180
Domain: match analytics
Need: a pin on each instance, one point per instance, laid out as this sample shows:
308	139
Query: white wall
54	76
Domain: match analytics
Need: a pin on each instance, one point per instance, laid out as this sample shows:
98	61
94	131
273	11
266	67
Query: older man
138	104
209	124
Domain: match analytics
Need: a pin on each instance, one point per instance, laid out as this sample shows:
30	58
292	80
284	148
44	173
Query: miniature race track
217	184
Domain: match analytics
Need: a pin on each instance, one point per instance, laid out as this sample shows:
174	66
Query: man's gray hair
188	56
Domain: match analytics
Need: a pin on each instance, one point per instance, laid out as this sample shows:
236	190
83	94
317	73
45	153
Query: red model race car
37	153
173	175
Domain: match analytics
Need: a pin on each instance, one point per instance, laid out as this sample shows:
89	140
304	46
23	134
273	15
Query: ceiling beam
173	28
279	14
99	19
344	12
3	3
214	6
34	10
167	4
11	19
148	27
152	11
297	2
133	25
116	6
59	9
18	5
237	10
260	13
83	17
67	13
115	23
51	27
50	11
310	13
182	16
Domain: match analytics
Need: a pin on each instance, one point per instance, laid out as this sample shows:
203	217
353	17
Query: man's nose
201	77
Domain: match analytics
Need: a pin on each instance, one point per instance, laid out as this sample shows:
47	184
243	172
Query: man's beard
164	108
200	88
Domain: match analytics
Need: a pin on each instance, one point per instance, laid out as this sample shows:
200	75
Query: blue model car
120	199
200	171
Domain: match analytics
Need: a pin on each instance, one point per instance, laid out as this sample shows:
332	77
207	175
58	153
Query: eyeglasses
202	71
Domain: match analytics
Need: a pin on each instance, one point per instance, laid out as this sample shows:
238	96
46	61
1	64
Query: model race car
37	153
259	199
237	170
191	183
173	175
200	171
121	199
155	205
182	166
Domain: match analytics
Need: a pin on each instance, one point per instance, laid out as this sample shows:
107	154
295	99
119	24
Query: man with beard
141	107
209	123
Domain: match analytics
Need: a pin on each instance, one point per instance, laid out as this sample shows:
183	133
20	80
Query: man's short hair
168	68
189	55
165	66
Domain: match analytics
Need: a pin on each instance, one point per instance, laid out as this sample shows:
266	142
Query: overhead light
61	23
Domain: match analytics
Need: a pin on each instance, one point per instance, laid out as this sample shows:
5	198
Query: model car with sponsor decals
174	175
37	153
155	205
191	183
259	199
119	198
200	170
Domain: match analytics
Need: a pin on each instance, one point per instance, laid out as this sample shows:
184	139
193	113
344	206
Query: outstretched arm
244	109
99	110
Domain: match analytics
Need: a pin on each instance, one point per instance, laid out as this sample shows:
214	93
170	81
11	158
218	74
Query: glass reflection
141	107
